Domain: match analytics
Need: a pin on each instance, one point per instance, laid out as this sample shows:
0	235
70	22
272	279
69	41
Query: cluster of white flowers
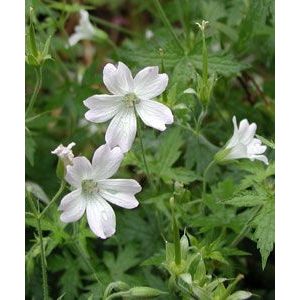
92	188
130	97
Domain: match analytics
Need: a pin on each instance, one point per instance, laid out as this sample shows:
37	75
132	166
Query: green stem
245	229
56	196
87	261
204	177
43	257
43	260
139	131
176	236
204	60
38	84
167	23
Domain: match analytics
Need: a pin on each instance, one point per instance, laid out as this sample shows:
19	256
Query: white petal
249	134
148	83
81	169
106	162
122	129
154	114
102	107
120	185
263	158
73	206
121	199
118	80
238	151
244	124
75	38
101	218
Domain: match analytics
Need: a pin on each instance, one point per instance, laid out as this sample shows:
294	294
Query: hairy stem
85	257
37	87
246	228
56	196
43	260
41	244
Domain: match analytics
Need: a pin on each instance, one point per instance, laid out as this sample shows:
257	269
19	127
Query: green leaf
125	260
239	295
247	199
265	231
168	152
30	148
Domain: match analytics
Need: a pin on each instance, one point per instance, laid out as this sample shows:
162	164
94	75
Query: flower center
130	99
89	187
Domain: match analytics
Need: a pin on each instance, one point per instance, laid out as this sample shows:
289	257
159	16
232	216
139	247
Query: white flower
149	34
65	153
243	144
129	94
83	31
93	190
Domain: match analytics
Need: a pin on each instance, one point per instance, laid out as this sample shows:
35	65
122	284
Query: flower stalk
42	249
37	87
205	177
54	199
176	235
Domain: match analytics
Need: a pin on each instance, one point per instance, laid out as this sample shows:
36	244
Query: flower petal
81	169
75	38
121	185
101	218
118	80
249	134
121	199
262	158
149	84
73	206
102	107
106	162
154	114
122	130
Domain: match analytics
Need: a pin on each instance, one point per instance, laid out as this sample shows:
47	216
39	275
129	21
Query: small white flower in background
93	191
84	30
65	153
243	144
37	191
129	94
149	34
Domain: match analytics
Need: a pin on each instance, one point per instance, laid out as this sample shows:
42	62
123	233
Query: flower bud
143	291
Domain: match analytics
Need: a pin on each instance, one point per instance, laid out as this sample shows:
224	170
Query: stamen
131	99
89	187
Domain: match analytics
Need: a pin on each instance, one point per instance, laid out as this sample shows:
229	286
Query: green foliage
221	229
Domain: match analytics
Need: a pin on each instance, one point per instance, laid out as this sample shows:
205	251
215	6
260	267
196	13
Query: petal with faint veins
121	199
73	207
101	218
149	84
118	80
102	107
80	169
154	114
122	130
106	162
121	185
